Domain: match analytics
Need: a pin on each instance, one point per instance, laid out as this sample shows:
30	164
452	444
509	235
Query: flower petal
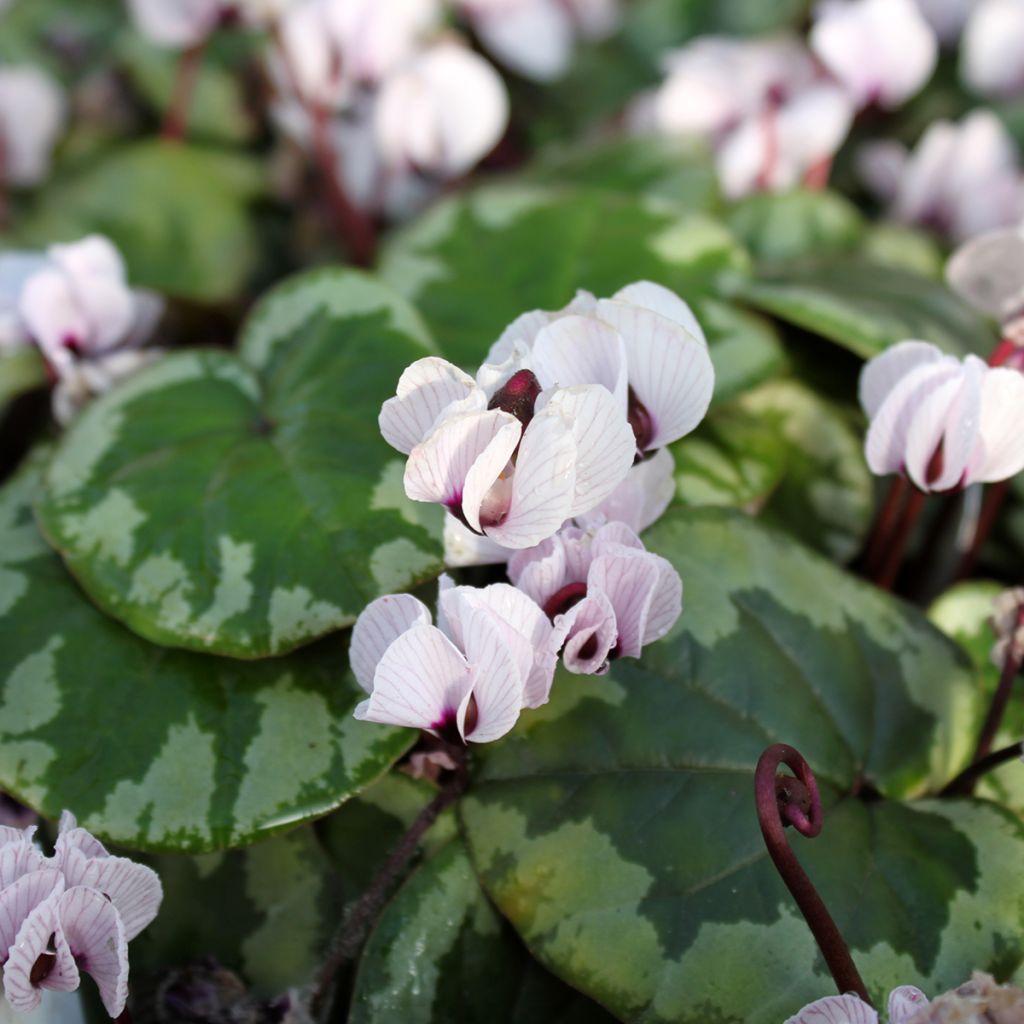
540	571
438	467
20	898
381	623
134	889
487	491
905	1003
17	857
1001	431
659	299
629	582
96	938
575	350
592	632
32	942
670	370
421	681
533	38
426	390
881	374
497	682
845	1009
641	498
462	547
988	271
71	837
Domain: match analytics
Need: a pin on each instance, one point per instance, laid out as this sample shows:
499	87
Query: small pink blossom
491	654
607	596
32	117
944	422
881	51
905	1003
74	911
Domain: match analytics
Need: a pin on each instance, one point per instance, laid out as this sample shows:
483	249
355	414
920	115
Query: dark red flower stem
176	119
963	784
794	800
357	922
886	520
356	228
893	557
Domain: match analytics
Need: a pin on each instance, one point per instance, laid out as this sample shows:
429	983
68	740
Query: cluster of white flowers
75	911
551	458
75	304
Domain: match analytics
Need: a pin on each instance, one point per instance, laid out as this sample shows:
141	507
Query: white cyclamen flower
74	911
536	37
178	24
905	1003
607	596
943	422
988	271
992	51
32	114
882	51
961	179
492	653
441	112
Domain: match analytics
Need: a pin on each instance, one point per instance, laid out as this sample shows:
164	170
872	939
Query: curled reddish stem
794	800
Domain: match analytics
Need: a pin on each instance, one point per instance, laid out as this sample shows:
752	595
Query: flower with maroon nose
492	653
606	595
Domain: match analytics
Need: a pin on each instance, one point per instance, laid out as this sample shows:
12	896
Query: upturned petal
497	690
641	498
885	371
19	898
421	681
96	938
133	889
905	1003
427	390
579	350
381	623
845	1009
592	633
1000	445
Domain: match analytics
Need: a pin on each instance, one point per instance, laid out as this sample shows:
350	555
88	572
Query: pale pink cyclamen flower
905	1003
32	116
882	51
605	593
179	24
961	179
988	271
992	50
76	910
944	422
536	38
492	653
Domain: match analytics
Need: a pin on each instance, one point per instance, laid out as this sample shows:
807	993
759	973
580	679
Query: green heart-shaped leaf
163	749
616	829
177	212
440	953
866	307
246	505
474	263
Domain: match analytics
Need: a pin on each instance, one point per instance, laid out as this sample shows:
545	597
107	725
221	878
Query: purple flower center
447	726
641	421
518	396
562	600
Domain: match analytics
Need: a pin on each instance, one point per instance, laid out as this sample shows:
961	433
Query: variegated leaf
616	827
246	505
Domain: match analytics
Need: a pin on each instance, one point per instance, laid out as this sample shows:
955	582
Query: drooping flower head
944	422
491	654
607	596
75	911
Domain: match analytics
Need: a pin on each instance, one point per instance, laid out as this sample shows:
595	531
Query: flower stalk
795	800
176	120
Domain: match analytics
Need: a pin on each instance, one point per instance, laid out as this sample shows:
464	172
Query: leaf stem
356	924
795	800
963	784
187	74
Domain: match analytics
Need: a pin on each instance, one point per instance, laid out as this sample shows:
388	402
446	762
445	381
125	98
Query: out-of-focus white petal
992	49
592	634
15	270
176	24
442	113
905	1003
666	602
883	51
96	938
311	57
641	498
605	445
1000	453
578	350
881	165
544	482
94	257
670	370
32	115
421	681
881	374
50	310
426	390
379	624
946	17
497	681
438	467
532	37
845	1009
988	271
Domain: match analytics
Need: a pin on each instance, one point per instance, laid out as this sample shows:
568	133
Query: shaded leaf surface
246	505
644	780
156	748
